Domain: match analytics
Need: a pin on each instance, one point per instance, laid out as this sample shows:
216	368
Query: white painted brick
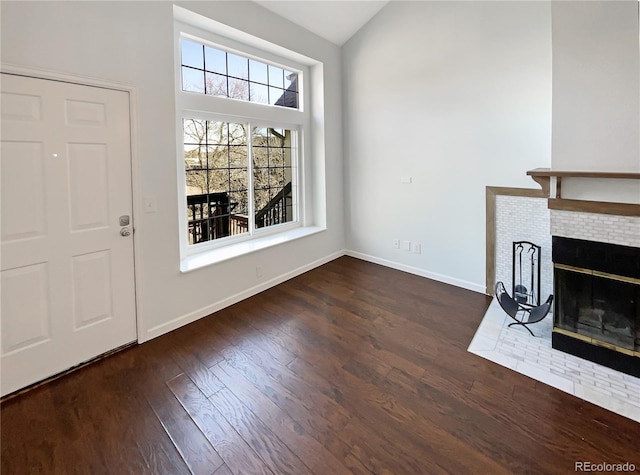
531	355
633	398
559	364
622	394
603	372
624	230
586	376
601	390
523	219
575	365
619	386
634	389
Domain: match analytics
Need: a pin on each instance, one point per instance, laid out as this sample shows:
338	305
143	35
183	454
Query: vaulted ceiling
336	21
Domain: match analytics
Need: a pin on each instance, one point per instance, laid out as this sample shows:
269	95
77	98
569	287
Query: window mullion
250	199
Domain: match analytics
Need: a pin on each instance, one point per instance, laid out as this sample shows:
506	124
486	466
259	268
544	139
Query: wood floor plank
290	384
98	403
464	421
207	344
349	368
193	446
25	450
195	449
238	456
264	346
437	444
153	367
266	444
223	470
184	354
368	447
472	416
324	424
145	432
317	457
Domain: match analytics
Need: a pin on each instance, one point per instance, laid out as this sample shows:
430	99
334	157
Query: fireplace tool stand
526	273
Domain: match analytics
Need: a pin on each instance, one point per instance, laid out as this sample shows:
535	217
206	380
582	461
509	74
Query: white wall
596	86
131	42
596	96
456	95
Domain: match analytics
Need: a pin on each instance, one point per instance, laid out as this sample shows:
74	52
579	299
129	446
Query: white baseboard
417	271
209	309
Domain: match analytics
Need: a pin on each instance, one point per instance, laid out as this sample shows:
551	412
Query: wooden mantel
543	176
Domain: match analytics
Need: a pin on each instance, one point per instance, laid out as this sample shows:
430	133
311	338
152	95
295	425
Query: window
242	124
209	70
234	171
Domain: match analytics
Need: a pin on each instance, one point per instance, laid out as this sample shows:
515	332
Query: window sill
214	256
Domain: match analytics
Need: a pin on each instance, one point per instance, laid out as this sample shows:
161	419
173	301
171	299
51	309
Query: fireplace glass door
604	308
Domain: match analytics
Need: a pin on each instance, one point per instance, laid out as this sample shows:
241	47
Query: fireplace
597	302
595	228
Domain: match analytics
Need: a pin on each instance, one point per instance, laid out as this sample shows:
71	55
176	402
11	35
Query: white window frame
215	108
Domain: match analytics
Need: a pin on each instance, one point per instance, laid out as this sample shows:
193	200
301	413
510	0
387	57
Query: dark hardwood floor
349	368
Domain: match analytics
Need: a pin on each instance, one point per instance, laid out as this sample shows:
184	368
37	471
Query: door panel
33	326
88	195
92	288
66	272
21	107
85	113
23	159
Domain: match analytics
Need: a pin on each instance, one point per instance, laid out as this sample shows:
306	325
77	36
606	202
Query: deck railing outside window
211	216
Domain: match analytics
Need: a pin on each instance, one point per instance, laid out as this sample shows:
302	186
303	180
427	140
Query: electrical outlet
406	245
417	248
396	243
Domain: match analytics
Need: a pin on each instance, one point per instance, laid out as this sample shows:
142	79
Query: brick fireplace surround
594	227
579	213
623	230
597	228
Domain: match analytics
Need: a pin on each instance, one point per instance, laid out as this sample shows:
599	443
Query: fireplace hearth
597	302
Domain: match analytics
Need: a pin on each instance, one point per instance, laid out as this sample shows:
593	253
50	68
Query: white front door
66	270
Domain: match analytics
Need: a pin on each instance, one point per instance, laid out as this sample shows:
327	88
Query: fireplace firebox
597	302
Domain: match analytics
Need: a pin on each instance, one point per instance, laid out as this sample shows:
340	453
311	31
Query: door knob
125	232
